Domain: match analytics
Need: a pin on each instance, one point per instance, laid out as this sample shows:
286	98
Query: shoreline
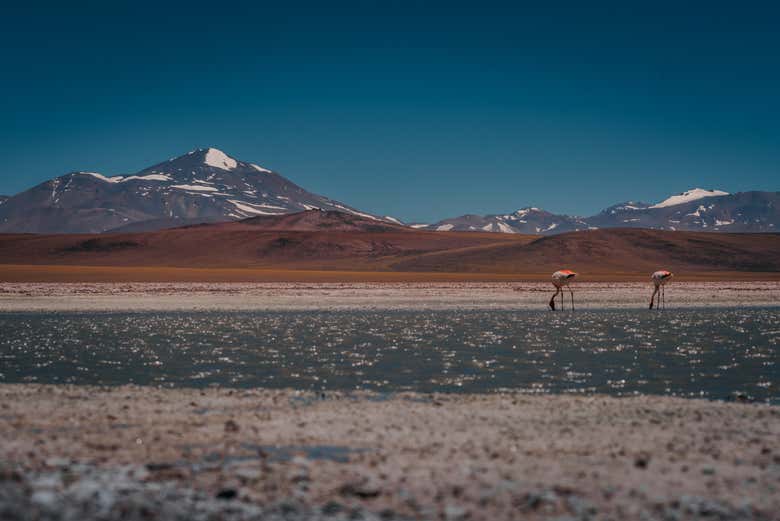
354	296
76	273
406	456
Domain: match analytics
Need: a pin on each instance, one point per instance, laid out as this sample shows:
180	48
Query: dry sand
139	296
340	456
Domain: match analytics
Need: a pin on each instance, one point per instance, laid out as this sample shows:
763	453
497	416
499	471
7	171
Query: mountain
525	220
205	185
693	210
700	210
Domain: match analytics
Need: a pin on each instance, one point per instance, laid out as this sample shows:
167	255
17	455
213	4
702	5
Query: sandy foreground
190	296
145	453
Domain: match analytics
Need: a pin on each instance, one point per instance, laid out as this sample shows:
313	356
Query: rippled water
709	353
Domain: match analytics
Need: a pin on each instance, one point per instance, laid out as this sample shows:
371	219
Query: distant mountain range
207	185
694	210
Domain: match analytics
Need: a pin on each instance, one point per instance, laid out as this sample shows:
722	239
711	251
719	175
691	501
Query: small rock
332	507
157	467
231	426
362	488
227	493
641	461
535	500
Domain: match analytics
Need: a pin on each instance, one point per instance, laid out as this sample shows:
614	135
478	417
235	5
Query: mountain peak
205	157
212	157
525	211
691	195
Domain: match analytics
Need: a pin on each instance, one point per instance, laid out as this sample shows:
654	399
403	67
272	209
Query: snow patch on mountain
149	177
195	188
350	210
687	197
255	209
115	179
218	159
525	211
505	228
698	211
260	168
122	179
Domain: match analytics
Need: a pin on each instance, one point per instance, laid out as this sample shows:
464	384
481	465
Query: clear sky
421	110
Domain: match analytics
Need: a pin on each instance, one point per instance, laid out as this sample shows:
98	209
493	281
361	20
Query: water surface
694	353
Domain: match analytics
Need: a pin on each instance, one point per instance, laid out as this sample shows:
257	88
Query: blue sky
421	110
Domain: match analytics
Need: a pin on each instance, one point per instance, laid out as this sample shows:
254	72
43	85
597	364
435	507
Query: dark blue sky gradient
419	110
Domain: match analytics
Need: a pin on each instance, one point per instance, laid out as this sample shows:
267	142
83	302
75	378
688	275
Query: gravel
90	453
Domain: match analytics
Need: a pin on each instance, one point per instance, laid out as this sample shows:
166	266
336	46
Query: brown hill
318	240
321	220
613	251
306	240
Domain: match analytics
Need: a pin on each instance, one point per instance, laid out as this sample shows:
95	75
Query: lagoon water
707	353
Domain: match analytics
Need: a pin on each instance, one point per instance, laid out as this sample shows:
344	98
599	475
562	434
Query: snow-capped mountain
697	209
204	185
525	220
207	185
694	210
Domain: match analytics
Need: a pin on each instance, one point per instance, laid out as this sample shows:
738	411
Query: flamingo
660	278
560	279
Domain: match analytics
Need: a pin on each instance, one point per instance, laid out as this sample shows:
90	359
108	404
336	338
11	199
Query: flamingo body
561	279
660	279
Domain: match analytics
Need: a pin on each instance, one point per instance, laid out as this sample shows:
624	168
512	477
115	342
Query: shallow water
693	353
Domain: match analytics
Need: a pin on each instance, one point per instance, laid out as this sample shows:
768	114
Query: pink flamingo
561	279
660	278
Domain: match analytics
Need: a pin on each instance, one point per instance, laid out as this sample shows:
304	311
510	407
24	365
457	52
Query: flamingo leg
552	300
572	298
663	295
